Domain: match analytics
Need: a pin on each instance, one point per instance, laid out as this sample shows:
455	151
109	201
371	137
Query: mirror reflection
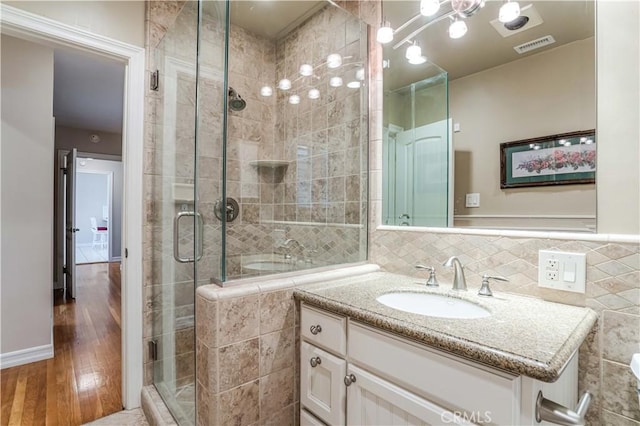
458	84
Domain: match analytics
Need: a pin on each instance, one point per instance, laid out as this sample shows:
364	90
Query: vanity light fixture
306	70
457	29
334	60
413	52
509	11
588	141
335	82
294	99
313	94
385	33
284	84
429	7
418	61
353	85
266	91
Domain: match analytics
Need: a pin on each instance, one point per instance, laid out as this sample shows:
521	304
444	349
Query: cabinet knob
315	361
315	329
349	378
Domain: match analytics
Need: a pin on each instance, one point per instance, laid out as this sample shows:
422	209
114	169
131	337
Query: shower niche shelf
269	164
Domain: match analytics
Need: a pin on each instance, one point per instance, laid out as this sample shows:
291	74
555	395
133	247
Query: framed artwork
565	159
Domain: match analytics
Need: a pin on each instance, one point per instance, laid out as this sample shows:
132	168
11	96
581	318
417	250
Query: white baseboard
25	356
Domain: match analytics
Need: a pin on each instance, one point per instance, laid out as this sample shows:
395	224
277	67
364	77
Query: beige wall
545	94
120	20
618	177
27	199
68	138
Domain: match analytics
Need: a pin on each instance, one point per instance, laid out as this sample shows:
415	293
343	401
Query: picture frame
563	159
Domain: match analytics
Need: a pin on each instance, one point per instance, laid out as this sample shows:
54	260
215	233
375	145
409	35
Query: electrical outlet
562	270
551	275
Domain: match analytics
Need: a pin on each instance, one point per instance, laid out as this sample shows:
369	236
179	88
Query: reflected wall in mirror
448	109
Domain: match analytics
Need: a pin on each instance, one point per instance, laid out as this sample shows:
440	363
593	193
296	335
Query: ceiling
88	91
482	47
272	19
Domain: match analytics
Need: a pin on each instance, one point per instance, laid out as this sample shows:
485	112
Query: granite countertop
523	335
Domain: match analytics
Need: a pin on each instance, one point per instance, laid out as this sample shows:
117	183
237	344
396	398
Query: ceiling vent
534	44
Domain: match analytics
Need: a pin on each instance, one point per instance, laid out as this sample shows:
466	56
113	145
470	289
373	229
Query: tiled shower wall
318	198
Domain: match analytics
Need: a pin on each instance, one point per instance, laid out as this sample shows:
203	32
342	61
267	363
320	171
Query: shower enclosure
418	154
256	159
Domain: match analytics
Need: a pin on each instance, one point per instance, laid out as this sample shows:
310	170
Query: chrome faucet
459	282
288	244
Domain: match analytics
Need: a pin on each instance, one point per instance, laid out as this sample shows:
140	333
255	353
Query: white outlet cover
571	270
472	200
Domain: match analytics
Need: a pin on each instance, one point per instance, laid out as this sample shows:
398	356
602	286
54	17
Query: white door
423	176
322	385
70	224
373	401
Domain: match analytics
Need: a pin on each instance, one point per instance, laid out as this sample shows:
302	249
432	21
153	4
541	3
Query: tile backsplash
612	290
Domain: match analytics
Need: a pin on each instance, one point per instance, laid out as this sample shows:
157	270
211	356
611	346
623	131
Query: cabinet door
322	384
373	401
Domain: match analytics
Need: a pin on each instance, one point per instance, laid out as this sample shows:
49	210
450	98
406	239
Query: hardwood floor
83	380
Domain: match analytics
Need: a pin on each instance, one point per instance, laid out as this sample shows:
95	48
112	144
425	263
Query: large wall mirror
463	89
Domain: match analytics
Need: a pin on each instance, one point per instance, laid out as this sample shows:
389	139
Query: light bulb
417	61
306	70
588	141
509	11
360	74
353	85
429	7
334	60
284	84
294	99
266	91
335	82
314	94
457	29
385	33
413	51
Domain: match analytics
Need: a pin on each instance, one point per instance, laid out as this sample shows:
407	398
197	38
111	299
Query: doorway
26	26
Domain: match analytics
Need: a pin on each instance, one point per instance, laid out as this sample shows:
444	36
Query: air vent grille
535	44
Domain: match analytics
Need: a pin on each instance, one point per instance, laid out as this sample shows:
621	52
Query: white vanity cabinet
355	374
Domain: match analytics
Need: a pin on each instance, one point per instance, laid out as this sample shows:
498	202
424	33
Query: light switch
569	274
456	127
472	200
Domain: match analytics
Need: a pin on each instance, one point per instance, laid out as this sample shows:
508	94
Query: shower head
236	103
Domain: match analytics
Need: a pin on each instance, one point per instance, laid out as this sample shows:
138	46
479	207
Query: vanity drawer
324	329
451	383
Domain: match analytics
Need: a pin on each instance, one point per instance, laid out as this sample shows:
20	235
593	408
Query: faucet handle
432	281
484	289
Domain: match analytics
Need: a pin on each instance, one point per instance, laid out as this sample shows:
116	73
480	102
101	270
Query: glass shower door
184	180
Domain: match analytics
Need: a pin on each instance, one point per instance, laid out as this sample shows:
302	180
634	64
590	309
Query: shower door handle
176	236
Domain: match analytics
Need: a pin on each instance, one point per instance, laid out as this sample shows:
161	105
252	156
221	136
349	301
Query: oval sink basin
269	265
433	305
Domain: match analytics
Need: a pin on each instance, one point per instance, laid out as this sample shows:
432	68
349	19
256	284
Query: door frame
59	200
28	26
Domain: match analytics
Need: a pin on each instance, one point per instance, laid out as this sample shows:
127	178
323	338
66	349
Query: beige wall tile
240	406
619	390
621	336
238	363
613	419
276	391
277	351
239	319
